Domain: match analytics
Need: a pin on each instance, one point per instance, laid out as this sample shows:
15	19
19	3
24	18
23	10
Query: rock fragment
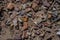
10	6
25	26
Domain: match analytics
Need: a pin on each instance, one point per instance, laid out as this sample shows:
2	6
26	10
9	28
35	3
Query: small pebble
58	33
10	6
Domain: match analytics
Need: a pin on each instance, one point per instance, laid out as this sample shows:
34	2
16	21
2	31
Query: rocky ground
29	19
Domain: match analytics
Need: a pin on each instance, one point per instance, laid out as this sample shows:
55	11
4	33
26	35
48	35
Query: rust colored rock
25	25
10	6
25	19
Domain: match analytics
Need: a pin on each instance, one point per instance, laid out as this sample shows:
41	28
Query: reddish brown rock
25	25
25	18
10	6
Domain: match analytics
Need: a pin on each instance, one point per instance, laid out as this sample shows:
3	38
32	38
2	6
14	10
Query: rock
17	9
28	9
58	33
37	32
34	5
10	6
25	19
54	9
19	19
25	26
23	1
25	34
15	21
29	4
58	1
24	6
49	15
28	33
45	3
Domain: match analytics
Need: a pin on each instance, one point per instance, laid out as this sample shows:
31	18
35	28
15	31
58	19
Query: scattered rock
29	20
